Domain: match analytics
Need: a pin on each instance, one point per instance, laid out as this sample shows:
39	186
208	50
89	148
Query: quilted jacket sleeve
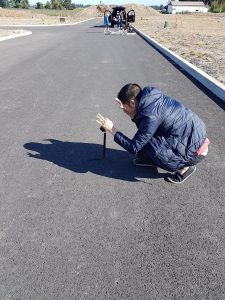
147	128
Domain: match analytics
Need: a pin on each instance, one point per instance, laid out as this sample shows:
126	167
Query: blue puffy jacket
168	132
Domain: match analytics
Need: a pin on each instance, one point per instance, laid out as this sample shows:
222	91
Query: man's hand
106	124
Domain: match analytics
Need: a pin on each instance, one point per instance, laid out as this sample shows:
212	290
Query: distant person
169	134
120	21
129	28
106	23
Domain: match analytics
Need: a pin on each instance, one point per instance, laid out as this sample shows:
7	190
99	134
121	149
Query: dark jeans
196	160
145	158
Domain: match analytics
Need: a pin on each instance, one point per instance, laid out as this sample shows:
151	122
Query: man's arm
146	130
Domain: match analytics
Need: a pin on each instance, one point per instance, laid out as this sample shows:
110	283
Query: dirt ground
4	32
44	16
199	38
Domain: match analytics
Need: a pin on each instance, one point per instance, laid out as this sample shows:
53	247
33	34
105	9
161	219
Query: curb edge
47	25
12	36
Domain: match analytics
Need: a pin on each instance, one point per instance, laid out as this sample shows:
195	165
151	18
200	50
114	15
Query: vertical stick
104	144
104	140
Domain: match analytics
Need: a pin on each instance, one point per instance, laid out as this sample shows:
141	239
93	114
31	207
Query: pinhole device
104	140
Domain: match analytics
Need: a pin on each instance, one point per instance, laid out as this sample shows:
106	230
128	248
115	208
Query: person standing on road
120	21
106	23
169	134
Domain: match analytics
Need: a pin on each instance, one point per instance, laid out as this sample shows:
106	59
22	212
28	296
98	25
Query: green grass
218	7
55	12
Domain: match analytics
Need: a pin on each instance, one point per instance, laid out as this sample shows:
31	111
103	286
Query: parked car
119	14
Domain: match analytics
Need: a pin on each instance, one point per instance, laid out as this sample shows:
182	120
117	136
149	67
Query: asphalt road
75	226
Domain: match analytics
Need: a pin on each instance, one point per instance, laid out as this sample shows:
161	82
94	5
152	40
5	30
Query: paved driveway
75	226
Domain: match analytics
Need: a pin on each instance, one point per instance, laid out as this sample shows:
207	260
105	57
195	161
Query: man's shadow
86	157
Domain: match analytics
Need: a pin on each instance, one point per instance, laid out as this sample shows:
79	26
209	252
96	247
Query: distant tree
207	2
80	5
24	4
39	5
56	4
156	7
48	5
4	3
16	4
67	4
20	4
218	6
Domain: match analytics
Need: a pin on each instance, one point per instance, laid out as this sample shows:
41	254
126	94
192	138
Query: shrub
48	5
39	5
218	6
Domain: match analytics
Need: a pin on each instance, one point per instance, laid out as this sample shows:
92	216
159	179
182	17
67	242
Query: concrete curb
12	36
47	25
209	82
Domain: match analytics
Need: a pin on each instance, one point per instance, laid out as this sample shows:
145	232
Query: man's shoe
178	178
142	163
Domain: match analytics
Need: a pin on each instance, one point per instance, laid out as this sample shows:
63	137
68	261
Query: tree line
52	4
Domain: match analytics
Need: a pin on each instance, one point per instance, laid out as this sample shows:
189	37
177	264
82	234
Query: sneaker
178	178
142	163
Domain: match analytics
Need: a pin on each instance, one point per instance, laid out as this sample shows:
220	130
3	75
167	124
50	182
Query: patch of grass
184	54
201	55
56	13
79	9
21	13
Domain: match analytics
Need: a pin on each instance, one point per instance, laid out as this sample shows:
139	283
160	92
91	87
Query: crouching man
169	134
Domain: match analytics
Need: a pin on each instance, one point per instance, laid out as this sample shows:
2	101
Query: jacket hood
147	96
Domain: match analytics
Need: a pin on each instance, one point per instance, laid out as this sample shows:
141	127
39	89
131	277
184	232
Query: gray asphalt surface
75	226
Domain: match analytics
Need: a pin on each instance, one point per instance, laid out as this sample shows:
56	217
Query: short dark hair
128	92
